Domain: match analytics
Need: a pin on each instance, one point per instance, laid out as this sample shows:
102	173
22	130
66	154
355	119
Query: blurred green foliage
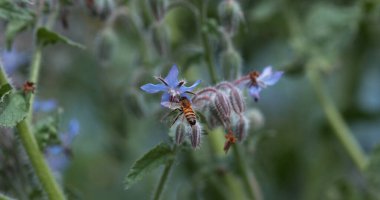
295	155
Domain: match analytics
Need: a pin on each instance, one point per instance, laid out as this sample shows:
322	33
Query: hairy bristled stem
250	181
33	77
164	176
36	158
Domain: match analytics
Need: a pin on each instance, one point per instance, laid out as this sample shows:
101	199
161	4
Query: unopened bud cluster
221	105
224	105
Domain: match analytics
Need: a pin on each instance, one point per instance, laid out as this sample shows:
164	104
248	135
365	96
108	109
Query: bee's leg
176	118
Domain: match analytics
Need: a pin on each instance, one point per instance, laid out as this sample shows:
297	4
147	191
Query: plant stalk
164	178
37	160
206	45
337	122
34	75
248	177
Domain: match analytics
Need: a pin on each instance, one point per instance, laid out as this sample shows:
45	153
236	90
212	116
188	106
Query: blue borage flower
58	156
44	105
256	81
172	88
13	59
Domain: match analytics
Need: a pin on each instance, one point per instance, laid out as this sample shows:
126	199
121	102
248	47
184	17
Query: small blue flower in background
172	88
58	156
13	59
260	81
44	105
256	81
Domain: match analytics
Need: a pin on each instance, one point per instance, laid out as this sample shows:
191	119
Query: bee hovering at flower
256	81
172	88
186	110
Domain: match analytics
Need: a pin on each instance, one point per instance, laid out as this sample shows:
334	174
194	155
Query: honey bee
253	76
230	140
185	109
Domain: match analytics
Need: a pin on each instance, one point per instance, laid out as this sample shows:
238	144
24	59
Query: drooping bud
231	63
102	9
195	137
241	128
180	133
237	100
255	118
230	14
158	8
235	96
105	43
223	108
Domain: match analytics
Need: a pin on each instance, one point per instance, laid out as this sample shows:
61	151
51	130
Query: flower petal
172	77
255	92
152	88
183	89
267	71
165	100
272	78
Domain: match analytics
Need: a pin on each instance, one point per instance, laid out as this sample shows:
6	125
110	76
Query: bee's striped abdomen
190	115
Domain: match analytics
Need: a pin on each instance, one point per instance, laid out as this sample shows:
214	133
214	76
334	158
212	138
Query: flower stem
35	71
164	177
336	121
249	178
206	45
253	189
31	147
38	162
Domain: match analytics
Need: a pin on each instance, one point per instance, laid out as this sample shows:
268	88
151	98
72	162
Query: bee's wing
170	117
171	105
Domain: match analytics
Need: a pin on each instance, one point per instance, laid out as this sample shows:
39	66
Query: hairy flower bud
237	101
105	46
230	14
158	8
241	128
223	108
231	63
196	135
235	96
180	132
255	118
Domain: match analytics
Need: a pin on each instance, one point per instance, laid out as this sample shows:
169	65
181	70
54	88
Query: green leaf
5	89
13	28
46	131
9	10
13	109
157	156
46	37
18	19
